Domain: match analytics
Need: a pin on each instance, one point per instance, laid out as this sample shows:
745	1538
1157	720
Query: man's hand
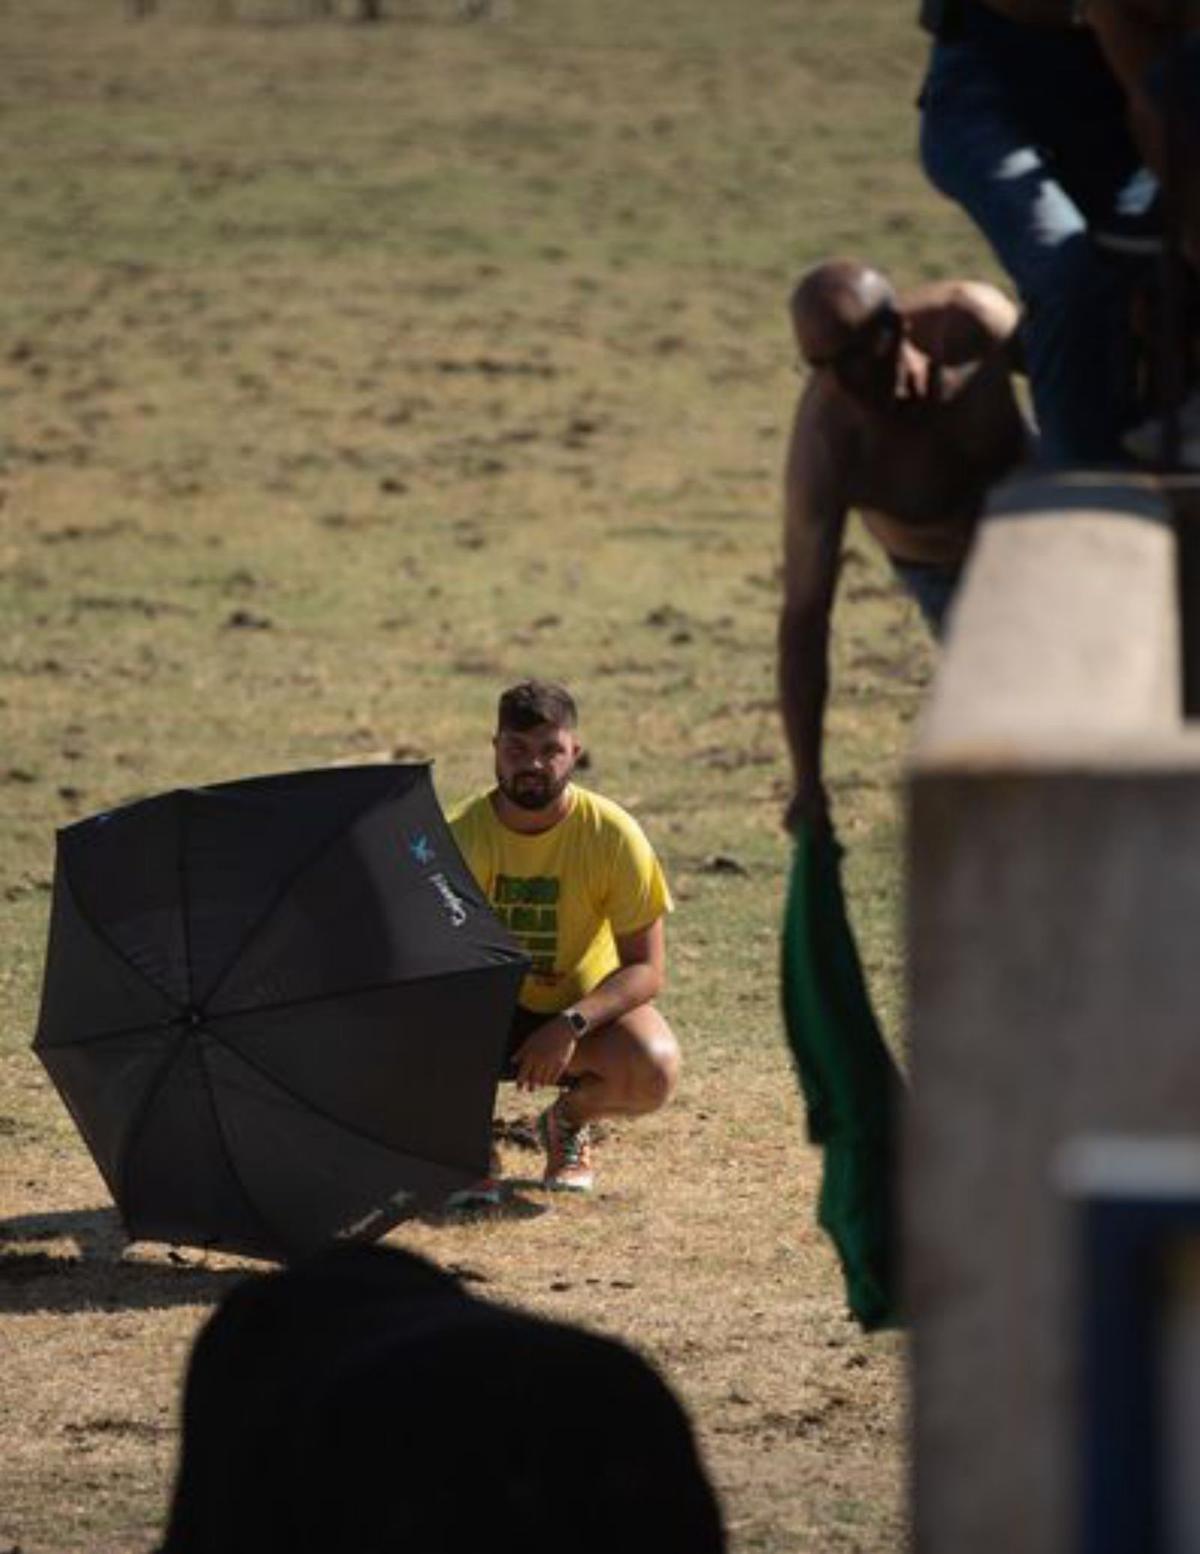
543	1056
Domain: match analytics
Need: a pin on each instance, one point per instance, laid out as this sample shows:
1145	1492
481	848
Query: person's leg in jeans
978	149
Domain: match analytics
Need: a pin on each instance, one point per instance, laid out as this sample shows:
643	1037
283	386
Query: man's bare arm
957	322
543	1057
640	977
814	521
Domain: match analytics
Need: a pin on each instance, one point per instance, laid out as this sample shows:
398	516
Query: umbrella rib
335	994
211	1017
148	1029
185	908
300	1002
247	1199
286	885
143	1109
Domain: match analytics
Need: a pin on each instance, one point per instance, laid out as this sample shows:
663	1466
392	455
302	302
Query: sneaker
486	1193
1145	441
568	1152
1136	224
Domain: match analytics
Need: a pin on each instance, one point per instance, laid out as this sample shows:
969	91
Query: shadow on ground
39	1281
77	1260
93	1274
512	1206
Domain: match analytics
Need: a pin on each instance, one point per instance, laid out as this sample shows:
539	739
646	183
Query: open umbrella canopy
276	1008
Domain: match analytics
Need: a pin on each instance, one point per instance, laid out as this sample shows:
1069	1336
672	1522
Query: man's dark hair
532	702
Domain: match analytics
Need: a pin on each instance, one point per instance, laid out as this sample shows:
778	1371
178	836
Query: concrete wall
1054	926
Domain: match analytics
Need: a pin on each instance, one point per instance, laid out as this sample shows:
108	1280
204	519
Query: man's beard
531	790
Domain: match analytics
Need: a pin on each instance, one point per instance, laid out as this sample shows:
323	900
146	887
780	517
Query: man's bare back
908	417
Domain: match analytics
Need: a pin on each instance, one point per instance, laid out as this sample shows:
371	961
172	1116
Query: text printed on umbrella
456	907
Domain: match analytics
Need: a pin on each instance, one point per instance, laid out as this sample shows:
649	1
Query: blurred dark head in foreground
364	1403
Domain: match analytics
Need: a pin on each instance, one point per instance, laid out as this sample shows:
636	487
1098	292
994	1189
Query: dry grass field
348	373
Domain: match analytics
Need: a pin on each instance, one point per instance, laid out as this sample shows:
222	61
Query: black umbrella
276	1008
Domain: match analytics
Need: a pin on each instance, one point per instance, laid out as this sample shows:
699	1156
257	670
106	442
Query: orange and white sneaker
568	1152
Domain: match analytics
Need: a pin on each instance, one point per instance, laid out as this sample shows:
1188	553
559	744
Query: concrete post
1054	898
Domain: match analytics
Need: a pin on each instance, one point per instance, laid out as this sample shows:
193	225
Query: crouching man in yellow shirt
579	886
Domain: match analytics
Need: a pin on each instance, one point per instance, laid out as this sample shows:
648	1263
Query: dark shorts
931	586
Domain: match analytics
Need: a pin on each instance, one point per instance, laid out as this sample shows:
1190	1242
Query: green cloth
852	1088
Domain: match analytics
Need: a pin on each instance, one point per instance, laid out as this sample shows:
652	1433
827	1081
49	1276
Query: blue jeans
1026	130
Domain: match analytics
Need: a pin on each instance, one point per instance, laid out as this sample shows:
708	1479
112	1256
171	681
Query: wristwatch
578	1021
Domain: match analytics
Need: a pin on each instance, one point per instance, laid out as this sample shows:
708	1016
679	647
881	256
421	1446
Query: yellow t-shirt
566	892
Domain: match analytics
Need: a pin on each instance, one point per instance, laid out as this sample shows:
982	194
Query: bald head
833	303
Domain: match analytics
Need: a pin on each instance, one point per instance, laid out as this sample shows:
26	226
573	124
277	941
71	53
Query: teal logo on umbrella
421	849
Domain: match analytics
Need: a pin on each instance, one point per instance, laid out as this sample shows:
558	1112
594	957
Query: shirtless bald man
908	416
